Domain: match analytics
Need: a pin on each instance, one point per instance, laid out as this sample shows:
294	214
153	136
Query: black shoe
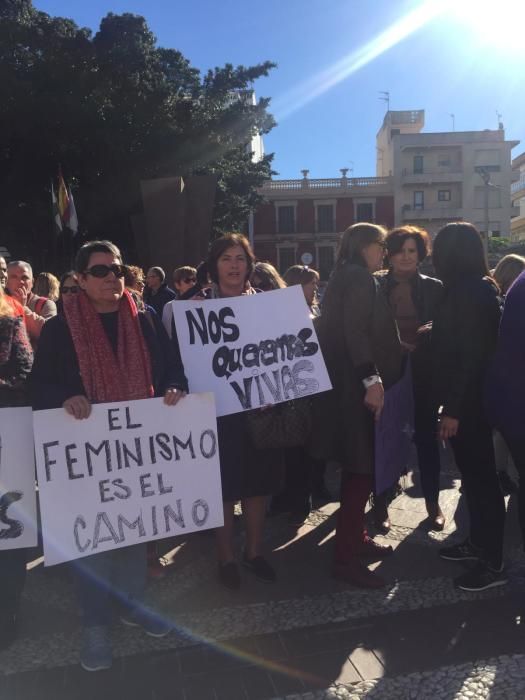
464	551
297	517
480	578
229	576
322	495
260	568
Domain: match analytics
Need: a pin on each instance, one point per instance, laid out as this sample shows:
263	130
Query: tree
112	109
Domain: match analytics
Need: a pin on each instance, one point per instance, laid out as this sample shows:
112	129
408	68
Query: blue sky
335	56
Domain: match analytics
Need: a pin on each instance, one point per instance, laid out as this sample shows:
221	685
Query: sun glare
495	24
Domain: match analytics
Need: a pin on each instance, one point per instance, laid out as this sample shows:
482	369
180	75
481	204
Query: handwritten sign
252	350
132	472
18	527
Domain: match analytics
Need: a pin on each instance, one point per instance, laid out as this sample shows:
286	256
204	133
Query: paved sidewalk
306	637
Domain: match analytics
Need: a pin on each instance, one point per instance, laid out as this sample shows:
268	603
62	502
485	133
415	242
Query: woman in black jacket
464	336
414	298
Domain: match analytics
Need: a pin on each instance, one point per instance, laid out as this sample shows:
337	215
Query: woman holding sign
101	349
16	357
362	351
248	474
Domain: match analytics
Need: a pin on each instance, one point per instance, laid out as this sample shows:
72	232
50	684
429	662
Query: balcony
450	213
339	183
429	177
517	189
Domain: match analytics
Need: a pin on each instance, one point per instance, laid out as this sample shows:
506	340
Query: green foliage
112	109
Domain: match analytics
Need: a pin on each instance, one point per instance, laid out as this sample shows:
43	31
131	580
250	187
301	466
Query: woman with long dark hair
464	335
361	348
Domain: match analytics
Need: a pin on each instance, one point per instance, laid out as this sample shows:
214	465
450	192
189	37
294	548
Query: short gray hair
20	263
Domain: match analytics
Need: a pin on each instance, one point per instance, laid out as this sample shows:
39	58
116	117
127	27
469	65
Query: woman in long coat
362	351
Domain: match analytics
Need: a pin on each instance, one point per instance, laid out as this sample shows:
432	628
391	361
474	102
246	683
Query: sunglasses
69	290
101	271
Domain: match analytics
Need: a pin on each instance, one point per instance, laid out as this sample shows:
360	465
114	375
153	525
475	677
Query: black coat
358	338
464	337
159	300
56	373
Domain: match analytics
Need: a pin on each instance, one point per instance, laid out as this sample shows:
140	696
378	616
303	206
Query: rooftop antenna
453	117
500	120
385	96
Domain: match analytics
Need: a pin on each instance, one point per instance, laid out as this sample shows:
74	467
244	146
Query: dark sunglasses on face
69	290
102	271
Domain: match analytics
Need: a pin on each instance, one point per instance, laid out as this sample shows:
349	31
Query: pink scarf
106	376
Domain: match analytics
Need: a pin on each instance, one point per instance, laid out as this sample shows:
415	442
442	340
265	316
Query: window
419	199
286	258
443	161
325	218
286	219
326	257
364	212
418	165
443	195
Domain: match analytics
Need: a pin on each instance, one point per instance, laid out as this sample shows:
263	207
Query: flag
63	200
57	221
73	219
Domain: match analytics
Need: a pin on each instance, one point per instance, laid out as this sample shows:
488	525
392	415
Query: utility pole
453	117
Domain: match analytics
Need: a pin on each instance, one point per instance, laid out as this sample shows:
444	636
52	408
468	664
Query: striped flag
57	221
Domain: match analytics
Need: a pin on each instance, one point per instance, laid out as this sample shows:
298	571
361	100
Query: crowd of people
105	331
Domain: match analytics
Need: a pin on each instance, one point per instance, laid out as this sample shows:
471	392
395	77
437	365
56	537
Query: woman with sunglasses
101	348
362	351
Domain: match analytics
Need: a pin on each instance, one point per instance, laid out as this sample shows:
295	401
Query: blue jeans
118	575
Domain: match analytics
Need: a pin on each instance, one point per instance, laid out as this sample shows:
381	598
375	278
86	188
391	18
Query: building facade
307	216
517	224
424	179
446	176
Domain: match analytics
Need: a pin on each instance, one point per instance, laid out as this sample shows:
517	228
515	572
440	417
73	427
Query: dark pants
474	453
516	447
425	439
350	531
12	579
114	576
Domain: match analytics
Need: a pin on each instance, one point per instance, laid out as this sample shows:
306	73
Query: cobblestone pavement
307	637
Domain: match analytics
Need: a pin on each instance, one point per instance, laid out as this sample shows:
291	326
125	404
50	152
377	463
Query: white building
449	176
517	224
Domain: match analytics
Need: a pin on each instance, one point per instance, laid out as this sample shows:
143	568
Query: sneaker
375	550
259	567
229	575
464	551
96	652
480	578
153	624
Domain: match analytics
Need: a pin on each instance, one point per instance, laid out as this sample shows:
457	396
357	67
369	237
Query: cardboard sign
18	527
252	350
134	471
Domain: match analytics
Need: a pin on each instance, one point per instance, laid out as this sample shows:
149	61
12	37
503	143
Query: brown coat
358	337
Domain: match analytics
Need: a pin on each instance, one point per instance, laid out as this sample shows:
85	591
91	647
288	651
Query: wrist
371	381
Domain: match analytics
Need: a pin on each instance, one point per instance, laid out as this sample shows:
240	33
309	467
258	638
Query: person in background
134	279
47	285
265	277
463	343
37	310
248	474
414	298
361	347
505	272
308	278
102	349
157	293
16	358
3	272
184	278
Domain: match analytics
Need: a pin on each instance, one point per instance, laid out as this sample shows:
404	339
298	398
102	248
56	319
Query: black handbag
284	425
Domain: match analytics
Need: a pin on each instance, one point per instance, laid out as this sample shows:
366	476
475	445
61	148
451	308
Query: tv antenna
385	96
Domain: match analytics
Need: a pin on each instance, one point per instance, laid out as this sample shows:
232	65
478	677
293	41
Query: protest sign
18	528
132	472
252	350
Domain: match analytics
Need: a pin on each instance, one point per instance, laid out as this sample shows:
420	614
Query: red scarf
106	376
